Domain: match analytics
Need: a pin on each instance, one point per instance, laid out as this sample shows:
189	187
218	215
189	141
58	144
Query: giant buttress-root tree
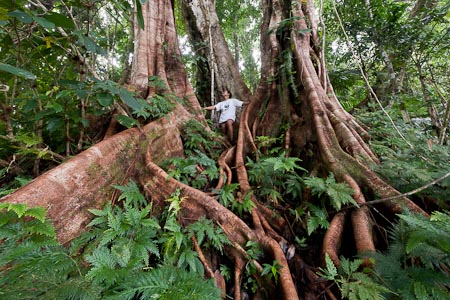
302	106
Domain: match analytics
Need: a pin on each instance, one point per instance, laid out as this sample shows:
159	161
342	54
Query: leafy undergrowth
414	267
412	160
126	255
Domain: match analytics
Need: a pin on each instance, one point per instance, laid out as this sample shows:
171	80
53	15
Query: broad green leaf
105	99
54	124
107	86
179	238
44	22
61	94
127	121
17	71
85	122
60	20
21	16
129	99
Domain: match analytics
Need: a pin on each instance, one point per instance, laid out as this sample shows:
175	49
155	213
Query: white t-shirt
227	109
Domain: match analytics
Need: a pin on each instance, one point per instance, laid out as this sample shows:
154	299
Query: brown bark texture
317	124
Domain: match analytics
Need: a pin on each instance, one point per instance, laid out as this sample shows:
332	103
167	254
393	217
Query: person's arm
212	107
240	103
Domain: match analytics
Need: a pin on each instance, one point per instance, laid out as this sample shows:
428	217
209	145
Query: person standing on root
227	109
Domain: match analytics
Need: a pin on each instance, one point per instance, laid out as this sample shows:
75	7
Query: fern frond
19	208
362	287
350	267
330	272
168	283
131	194
204	228
104	267
415	263
318	218
72	289
40	228
37	212
122	253
316	184
37	272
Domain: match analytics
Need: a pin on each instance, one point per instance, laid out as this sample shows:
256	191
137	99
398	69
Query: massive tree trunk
295	94
204	29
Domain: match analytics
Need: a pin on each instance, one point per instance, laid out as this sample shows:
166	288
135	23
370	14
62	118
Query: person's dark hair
227	90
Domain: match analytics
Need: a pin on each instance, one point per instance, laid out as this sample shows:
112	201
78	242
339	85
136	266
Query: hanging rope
211	58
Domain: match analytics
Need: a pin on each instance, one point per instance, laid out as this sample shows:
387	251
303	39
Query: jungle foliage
51	110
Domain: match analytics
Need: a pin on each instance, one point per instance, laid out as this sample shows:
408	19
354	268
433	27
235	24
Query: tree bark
202	20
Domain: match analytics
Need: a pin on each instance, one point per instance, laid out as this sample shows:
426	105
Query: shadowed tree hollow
294	100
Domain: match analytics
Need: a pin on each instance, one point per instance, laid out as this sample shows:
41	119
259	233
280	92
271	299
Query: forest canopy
116	183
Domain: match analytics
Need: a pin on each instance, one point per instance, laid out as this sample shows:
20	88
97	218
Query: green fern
32	263
317	218
73	289
208	234
407	168
431	232
188	260
338	193
124	243
13	215
122	239
226	194
131	194
167	283
173	238
105	268
414	264
246	205
253	249
276	178
353	284
197	170
196	138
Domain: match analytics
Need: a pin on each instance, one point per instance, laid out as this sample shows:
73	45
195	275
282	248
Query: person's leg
223	126
230	133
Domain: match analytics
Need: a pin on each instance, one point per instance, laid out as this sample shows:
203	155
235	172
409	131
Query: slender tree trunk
202	19
432	111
